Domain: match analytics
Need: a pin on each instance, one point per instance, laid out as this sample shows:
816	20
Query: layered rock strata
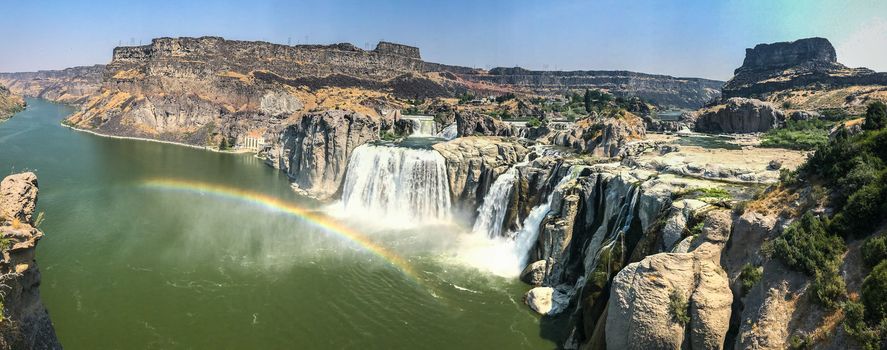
25	323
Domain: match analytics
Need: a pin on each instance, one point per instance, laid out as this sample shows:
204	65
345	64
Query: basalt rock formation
9	103
71	85
603	136
314	151
661	89
739	115
804	74
473	163
469	123
25	323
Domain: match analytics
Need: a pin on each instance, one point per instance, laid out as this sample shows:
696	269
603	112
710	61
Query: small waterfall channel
423	125
385	183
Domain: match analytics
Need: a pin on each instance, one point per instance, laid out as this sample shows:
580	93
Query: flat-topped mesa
387	48
806	74
787	54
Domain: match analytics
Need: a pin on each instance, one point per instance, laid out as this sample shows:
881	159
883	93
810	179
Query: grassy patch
799	135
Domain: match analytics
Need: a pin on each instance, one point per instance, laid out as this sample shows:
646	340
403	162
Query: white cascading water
491	214
423	126
449	132
529	232
396	185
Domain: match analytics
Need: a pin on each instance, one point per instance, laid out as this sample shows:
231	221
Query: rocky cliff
667	91
71	85
739	115
9	103
602	136
24	321
314	151
804	74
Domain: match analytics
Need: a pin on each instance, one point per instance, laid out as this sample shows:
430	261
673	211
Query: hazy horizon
696	39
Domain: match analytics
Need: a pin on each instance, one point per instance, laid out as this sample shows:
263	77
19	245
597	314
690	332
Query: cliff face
9	103
662	89
71	85
804	74
315	150
739	115
25	323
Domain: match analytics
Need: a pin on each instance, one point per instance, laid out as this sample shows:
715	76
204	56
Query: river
152	245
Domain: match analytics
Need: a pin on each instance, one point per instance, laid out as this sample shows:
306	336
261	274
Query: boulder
639	315
546	300
18	197
534	273
470	123
739	115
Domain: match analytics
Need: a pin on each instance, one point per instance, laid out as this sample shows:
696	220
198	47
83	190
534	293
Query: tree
875	116
224	144
873	296
588	102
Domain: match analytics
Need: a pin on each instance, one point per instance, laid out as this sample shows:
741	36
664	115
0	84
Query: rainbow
278	205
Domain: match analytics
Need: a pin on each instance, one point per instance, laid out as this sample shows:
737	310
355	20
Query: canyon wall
25	323
71	85
663	90
9	103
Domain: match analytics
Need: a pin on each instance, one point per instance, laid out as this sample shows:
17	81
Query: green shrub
534	122
828	288
875	116
874	250
678	305
802	135
874	293
854	324
750	276
807	247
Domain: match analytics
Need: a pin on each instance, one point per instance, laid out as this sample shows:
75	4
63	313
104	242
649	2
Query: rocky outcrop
71	85
805	74
9	103
470	123
314	151
473	163
602	136
25	322
688	93
739	115
647	298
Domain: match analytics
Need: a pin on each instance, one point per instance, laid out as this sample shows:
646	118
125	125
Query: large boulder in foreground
18	197
739	115
648	297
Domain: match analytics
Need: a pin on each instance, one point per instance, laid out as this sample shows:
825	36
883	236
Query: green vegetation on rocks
677	306
800	135
750	276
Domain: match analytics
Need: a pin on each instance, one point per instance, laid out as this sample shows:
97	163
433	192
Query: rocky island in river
582	209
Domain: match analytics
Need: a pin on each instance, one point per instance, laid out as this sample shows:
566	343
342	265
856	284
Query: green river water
130	266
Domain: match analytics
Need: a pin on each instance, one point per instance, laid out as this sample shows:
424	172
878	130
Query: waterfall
491	214
396	185
423	126
449	132
526	237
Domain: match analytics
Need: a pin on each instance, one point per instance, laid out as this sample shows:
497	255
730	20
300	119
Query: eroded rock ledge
25	323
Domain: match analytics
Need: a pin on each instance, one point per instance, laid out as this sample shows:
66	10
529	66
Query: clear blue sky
704	38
